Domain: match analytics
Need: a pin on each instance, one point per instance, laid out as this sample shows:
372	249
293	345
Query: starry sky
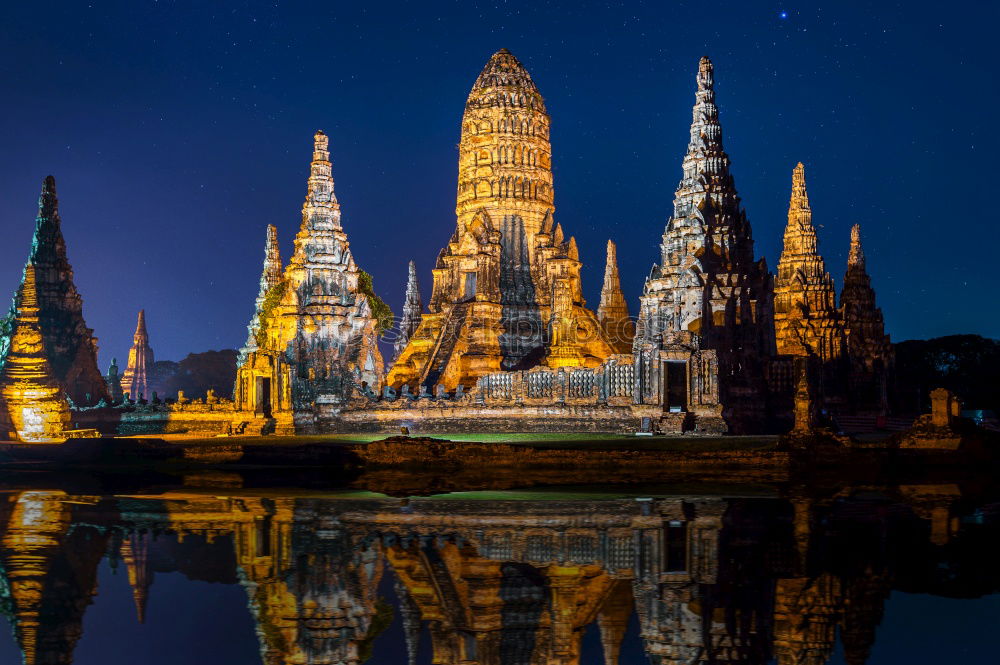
178	130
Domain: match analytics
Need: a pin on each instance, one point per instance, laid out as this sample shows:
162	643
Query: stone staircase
447	340
674	423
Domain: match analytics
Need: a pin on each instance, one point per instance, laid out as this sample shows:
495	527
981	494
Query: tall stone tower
314	332
135	380
35	408
705	308
806	320
613	310
869	348
413	307
270	277
506	292
70	346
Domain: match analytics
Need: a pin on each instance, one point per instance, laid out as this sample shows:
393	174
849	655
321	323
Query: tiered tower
706	306
135	381
507	292
70	346
34	402
270	277
613	310
316	333
806	320
413	307
868	347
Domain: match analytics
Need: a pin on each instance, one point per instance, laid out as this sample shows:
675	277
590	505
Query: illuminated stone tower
413	307
869	348
317	335
36	408
506	292
705	308
806	320
613	310
135	381
269	278
70	346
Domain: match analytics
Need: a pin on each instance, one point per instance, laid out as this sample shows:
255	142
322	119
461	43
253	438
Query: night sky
178	130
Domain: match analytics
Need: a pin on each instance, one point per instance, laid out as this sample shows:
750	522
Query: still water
594	575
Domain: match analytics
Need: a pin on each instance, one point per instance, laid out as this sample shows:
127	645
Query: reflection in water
490	580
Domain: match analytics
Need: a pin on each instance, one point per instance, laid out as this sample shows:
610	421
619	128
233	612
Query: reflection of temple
711	579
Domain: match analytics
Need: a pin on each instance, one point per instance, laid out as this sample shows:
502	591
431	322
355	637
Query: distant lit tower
135	381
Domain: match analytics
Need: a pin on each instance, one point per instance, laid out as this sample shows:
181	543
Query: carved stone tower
315	335
135	381
869	348
806	320
269	278
70	346
35	406
613	310
495	283
705	310
413	307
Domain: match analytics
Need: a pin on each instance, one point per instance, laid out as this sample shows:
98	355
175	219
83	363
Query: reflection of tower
313	596
135	381
135	555
52	576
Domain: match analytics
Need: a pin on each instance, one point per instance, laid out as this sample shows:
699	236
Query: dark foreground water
742	575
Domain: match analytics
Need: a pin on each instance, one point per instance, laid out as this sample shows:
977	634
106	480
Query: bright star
782	15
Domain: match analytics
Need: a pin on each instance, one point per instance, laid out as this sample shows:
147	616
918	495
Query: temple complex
506	293
705	312
613	311
413	308
135	381
806	319
70	346
34	404
868	347
314	333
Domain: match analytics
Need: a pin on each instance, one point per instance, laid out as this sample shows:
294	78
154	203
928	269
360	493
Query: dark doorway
264	396
676	389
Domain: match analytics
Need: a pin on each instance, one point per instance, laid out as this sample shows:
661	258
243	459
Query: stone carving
613	310
496	280
314	334
413	307
136	381
707	294
70	346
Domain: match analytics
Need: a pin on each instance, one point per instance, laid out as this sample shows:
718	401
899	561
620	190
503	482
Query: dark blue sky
178	130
